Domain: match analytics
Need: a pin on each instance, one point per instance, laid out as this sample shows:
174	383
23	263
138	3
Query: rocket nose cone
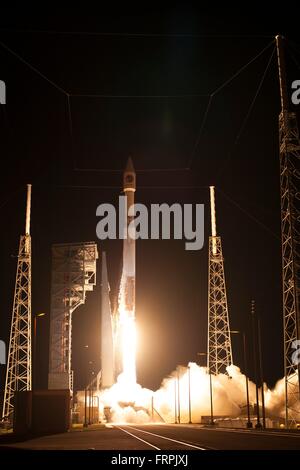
129	166
129	176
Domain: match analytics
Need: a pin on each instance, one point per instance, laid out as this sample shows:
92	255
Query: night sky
153	76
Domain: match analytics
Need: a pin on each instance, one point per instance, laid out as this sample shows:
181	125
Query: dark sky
45	58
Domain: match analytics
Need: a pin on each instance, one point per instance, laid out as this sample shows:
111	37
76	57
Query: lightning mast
289	151
18	371
219	352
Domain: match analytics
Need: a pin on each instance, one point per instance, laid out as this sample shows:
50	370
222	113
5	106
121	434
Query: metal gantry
219	352
18	371
289	150
73	275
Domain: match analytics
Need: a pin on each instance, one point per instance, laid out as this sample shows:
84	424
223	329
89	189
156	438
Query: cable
119	187
213	94
11	195
135	96
96	95
6	120
70	121
245	211
241	69
221	171
145	170
154	170
199	135
289	49
294	44
33	68
127	96
138	35
198	138
80	95
70	116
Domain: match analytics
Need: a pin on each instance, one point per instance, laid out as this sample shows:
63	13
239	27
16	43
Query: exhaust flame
128	339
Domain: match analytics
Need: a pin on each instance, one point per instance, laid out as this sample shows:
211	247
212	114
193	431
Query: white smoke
275	399
228	393
132	403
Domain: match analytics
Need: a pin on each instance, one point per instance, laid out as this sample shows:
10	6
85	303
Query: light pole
89	385
210	391
90	389
258	423
261	374
190	401
249	424
85	424
178	395
211	399
97	398
38	315
175	402
152	408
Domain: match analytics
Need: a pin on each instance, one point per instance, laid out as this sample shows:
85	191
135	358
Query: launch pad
74	274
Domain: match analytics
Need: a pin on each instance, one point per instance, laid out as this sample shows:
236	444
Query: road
161	437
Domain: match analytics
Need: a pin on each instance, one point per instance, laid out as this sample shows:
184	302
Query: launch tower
289	151
18	371
219	353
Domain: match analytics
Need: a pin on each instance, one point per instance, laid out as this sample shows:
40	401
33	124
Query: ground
158	437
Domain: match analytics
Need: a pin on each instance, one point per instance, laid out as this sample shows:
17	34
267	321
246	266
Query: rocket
128	269
126	300
118	329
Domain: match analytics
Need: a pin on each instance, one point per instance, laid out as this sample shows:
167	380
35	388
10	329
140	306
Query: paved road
160	437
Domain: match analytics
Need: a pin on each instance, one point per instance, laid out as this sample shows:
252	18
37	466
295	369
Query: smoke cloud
130	403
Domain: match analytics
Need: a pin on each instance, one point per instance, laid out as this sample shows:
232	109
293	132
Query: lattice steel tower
73	275
289	148
219	353
18	371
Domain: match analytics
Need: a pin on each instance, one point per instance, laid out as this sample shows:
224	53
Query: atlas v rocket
118	327
126	301
127	285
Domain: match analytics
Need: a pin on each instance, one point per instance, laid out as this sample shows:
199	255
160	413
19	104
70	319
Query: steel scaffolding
18	371
219	352
289	150
73	275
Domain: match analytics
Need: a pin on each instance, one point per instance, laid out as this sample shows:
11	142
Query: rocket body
126	306
128	270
